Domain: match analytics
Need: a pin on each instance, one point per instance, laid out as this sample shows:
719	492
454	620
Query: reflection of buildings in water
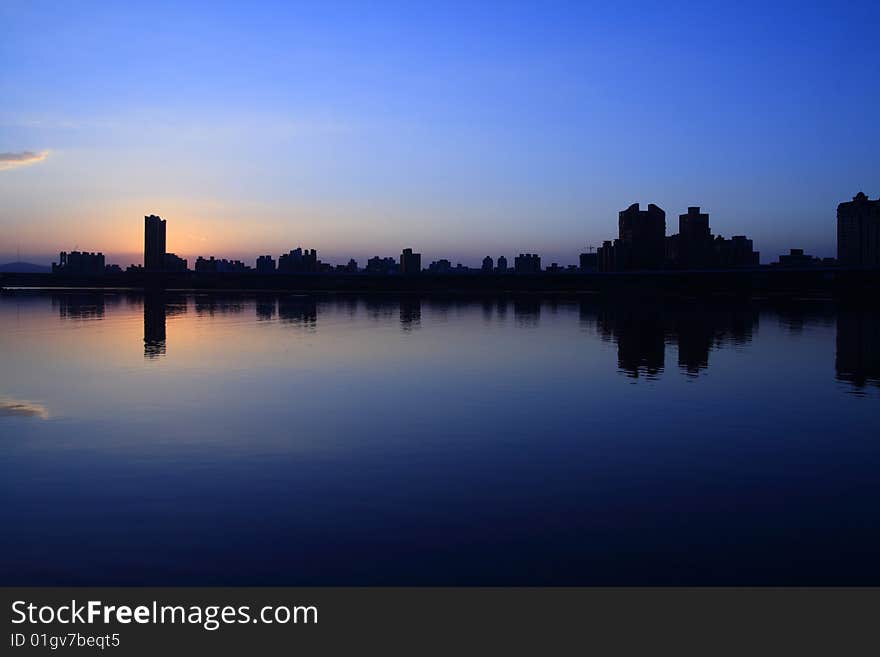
211	305
488	309
154	325
639	336
298	310
379	309
527	312
410	313
74	305
642	333
698	331
347	306
439	309
494	310
794	317
857	361
266	309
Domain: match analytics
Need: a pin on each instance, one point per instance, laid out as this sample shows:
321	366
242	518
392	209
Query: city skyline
642	244
473	255
463	130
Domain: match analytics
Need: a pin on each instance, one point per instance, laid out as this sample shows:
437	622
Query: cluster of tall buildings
641	244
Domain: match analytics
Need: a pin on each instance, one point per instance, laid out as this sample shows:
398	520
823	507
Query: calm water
292	440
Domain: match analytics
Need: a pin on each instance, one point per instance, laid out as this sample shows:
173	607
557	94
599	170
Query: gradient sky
457	128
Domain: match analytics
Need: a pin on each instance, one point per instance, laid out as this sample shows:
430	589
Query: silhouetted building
377	265
154	243
265	264
224	266
735	252
299	261
858	232
174	263
641	242
527	263
694	246
352	266
410	263
488	265
442	266
79	263
502	265
797	258
588	261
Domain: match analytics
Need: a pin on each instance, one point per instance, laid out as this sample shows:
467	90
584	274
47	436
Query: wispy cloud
24	158
20	407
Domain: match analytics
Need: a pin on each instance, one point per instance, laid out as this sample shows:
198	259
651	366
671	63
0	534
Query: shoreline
817	282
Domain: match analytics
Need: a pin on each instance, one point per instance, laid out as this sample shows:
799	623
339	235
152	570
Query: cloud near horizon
24	158
20	407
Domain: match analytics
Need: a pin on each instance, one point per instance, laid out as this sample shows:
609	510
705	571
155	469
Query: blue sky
457	128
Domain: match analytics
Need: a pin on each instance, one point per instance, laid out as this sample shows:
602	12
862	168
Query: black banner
234	621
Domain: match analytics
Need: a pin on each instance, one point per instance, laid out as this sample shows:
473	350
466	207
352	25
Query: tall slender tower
154	243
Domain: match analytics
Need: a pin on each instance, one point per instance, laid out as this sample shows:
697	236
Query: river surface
280	439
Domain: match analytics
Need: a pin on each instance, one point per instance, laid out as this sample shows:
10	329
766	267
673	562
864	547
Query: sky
458	128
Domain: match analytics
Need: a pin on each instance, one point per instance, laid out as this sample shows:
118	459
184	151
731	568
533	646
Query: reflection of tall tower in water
154	325
410	313
858	347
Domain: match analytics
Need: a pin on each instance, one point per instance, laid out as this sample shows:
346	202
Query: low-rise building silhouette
220	266
487	265
797	258
79	262
174	263
379	265
527	263
502	265
442	266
